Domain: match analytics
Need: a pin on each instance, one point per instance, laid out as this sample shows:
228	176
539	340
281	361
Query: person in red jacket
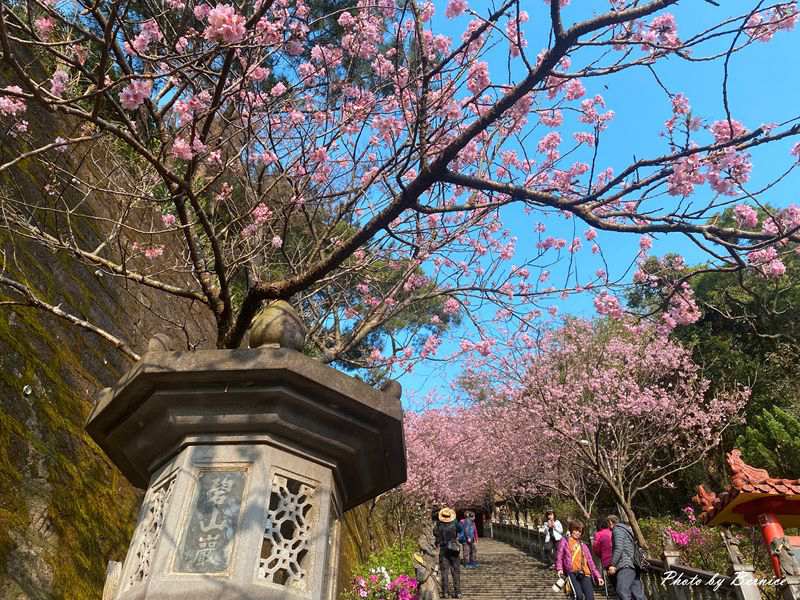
574	559
602	546
602	543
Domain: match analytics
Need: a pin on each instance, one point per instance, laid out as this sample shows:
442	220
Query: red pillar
771	529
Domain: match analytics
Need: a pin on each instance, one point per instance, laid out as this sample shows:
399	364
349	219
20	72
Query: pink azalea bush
386	575
380	586
699	546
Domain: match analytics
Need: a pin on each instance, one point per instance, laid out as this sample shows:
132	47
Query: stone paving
506	573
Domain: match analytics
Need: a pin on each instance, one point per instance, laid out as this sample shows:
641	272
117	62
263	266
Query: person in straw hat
446	533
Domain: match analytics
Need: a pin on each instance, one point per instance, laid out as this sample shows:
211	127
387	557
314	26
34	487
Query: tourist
623	563
553	532
574	559
601	546
447	532
469	539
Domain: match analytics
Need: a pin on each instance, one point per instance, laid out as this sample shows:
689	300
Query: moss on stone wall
65	511
63	501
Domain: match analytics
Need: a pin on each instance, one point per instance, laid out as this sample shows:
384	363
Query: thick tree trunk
633	522
626	504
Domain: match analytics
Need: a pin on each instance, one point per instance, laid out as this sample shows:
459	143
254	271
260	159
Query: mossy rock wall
65	510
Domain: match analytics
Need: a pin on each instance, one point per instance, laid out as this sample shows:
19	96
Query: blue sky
764	86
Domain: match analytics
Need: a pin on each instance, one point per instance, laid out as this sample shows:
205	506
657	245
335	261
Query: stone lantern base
245	521
249	458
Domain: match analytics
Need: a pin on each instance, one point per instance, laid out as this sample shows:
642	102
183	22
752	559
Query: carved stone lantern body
249	457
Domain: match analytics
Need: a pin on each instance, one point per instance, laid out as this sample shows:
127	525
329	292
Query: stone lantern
249	458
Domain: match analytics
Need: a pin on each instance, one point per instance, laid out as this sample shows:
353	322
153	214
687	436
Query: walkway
506	573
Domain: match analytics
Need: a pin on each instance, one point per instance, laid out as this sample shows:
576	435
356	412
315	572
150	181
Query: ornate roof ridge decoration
749	485
745	476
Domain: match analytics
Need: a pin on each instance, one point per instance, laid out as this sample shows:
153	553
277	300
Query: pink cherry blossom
686	175
148	35
524	416
775	268
451	306
455	8
606	304
152	252
574	89
680	105
478	77
795	151
724	131
763	256
44	26
135	93
58	83
182	149
11	105
746	216
406	151
663	31
225	25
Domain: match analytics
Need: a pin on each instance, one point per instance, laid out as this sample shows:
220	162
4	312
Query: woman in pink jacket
602	543
574	559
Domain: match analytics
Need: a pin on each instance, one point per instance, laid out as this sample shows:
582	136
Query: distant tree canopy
749	334
772	441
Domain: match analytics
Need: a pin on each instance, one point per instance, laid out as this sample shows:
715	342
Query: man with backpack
469	539
627	560
447	532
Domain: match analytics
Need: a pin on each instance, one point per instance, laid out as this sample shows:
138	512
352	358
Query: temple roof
752	491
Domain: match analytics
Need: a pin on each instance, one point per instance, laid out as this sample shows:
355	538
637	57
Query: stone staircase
506	573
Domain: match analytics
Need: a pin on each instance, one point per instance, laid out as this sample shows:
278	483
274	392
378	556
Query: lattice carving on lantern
286	553
148	531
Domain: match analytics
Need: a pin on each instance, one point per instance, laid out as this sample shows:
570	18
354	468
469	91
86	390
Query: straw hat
447	515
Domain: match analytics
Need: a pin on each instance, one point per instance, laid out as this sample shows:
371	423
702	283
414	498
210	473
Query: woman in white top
553	532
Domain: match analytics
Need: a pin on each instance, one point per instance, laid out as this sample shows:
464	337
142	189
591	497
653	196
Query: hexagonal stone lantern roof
171	400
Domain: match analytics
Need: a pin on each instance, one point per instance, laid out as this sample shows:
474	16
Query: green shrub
396	559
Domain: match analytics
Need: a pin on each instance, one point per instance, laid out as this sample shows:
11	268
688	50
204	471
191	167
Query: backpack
639	557
448	538
467	535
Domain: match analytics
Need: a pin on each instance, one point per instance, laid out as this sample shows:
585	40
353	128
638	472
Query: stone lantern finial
392	388
278	325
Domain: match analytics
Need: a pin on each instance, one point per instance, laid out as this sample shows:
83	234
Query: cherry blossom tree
474	454
446	462
619	400
236	153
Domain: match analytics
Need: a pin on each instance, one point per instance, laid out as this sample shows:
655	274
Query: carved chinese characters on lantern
208	538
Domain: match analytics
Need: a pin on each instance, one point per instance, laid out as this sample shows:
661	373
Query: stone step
506	573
